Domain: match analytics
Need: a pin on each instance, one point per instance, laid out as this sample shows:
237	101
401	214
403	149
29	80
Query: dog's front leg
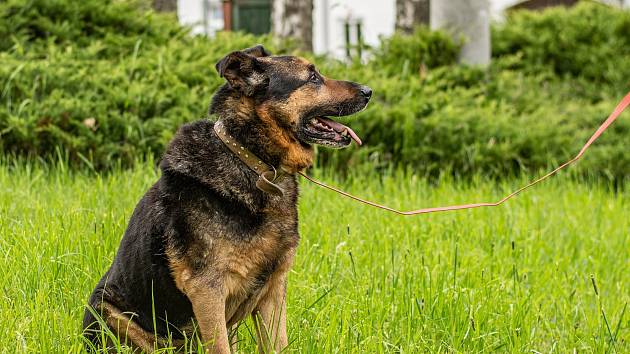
270	318
208	304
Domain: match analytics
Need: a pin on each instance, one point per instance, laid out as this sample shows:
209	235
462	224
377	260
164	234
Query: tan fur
245	106
296	157
126	330
225	281
303	99
179	269
272	310
129	333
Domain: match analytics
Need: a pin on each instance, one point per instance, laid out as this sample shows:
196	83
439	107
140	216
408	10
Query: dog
212	241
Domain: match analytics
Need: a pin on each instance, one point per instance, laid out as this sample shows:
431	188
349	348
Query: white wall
469	19
378	19
377	16
622	3
191	13
497	7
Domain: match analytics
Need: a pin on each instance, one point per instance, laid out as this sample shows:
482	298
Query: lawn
516	278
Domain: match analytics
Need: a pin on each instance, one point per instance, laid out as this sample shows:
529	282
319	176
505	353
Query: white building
338	25
204	16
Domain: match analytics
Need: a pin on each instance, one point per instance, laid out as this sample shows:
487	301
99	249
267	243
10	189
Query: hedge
108	81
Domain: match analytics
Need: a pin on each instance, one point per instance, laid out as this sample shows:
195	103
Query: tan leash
611	119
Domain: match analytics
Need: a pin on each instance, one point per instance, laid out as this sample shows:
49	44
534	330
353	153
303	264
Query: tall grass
517	278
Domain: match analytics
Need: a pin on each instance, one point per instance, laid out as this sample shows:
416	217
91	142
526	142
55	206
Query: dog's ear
257	51
243	72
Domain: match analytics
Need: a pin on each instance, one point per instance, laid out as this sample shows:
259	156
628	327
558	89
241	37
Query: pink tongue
339	128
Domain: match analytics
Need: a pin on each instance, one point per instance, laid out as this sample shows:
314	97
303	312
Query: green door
252	16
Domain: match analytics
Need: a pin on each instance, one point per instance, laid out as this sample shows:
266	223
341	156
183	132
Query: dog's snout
366	92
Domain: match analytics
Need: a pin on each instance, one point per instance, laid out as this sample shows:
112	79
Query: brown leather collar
267	174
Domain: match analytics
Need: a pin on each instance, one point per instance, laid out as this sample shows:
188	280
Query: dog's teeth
314	121
345	132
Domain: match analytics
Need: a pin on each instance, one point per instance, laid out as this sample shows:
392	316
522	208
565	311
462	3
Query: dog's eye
314	78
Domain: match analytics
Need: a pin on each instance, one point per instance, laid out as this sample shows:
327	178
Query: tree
165	5
291	18
411	13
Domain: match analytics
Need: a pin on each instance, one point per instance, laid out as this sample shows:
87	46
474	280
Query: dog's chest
244	254
249	268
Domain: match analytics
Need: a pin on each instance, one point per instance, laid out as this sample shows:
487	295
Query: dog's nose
366	92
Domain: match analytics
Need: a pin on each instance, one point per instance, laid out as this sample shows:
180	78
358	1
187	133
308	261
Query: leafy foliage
410	54
107	81
113	26
588	42
554	78
102	92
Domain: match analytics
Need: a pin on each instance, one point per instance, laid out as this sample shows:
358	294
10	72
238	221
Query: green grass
515	278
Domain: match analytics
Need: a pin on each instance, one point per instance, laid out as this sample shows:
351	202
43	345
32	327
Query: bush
106	27
105	93
535	106
424	49
109	81
507	122
589	41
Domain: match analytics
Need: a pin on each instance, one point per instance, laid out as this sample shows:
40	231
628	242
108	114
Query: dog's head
292	97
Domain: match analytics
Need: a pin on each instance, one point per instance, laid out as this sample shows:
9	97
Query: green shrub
590	41
100	91
402	54
507	122
106	27
110	81
537	103
136	102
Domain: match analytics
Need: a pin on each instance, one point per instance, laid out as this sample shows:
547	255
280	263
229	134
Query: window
212	16
353	38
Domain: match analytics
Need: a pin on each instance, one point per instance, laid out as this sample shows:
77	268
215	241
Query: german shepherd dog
208	245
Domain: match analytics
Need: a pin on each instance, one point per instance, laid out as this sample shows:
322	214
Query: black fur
206	194
197	172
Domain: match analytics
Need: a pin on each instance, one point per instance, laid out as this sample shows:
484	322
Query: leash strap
623	104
